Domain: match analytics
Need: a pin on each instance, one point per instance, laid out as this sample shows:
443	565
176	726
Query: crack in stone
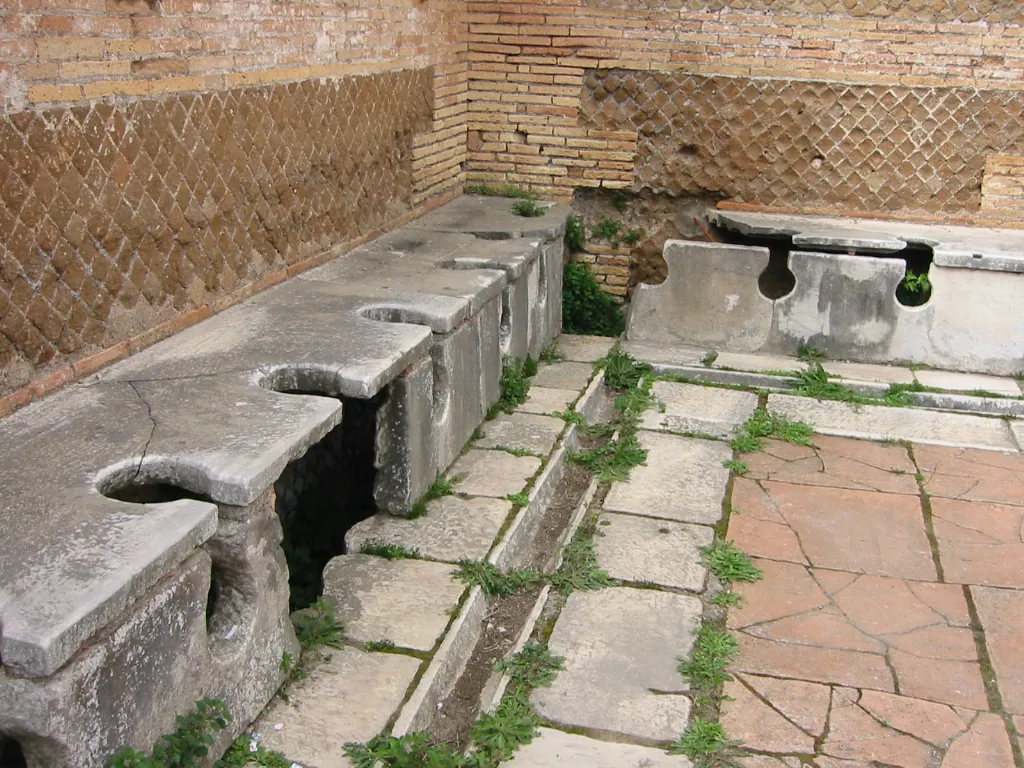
152	431
767	702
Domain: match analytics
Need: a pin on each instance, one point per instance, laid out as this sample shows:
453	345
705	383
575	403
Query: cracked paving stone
693	408
971	475
492	473
545	400
521	431
642	549
836	462
682	480
584	349
855	734
861	631
554	748
979	543
848	530
563	375
1001	612
621	648
758	725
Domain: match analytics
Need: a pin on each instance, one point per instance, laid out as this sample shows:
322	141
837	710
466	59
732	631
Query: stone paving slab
551	748
886	374
404	601
979	542
693	408
658	354
621	647
492	473
521	431
969	382
882	423
741	361
971	475
453	529
682	480
348	699
642	549
836	462
546	400
584	349
563	375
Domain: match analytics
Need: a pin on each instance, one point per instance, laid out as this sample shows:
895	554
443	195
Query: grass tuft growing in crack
707	745
515	387
379	645
729	563
551	353
493	582
728	598
621	371
520	499
711	654
381	548
762	424
614	460
736	466
499	734
316	627
591	430
441	487
534	666
412	751
579	567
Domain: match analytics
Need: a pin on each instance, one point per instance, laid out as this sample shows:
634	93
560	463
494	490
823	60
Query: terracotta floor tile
860	630
857	531
971	475
805	705
837	462
758	726
980	542
985	745
1001	612
854	733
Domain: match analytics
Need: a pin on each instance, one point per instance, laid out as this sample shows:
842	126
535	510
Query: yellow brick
54	93
70	47
95	68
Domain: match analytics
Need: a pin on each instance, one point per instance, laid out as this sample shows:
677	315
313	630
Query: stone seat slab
403	601
682	480
529	432
304	335
453	529
693	408
492	218
350	698
621	648
71	559
872	422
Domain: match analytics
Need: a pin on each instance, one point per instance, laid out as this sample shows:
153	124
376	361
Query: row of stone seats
141	566
842	304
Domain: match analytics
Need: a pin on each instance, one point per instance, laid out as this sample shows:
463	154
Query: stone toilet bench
141	564
844	305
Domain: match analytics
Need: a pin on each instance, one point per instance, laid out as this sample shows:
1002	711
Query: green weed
809	354
614	460
316	627
493	582
515	387
187	745
633	237
711	654
381	548
411	751
762	424
248	749
579	567
529	367
519	499
707	745
736	466
533	667
507	191
709	359
575	235
728	598
511	725
729	563
528	208
586	309
915	289
379	645
621	371
606	229
550	354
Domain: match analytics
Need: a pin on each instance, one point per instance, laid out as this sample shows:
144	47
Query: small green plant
606	229
633	237
579	567
248	749
514	451
575	236
511	725
316	627
620	200
519	499
533	667
621	371
287	661
515	387
550	354
915	289
493	582
711	654
613	461
707	745
381	548
729	563
507	191
441	486
736	466
187	745
808	354
529	367
728	598
380	645
577	418
528	208
709	359
586	309
761	424
411	751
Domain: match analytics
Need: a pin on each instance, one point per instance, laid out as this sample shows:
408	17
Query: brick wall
784	103
162	159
